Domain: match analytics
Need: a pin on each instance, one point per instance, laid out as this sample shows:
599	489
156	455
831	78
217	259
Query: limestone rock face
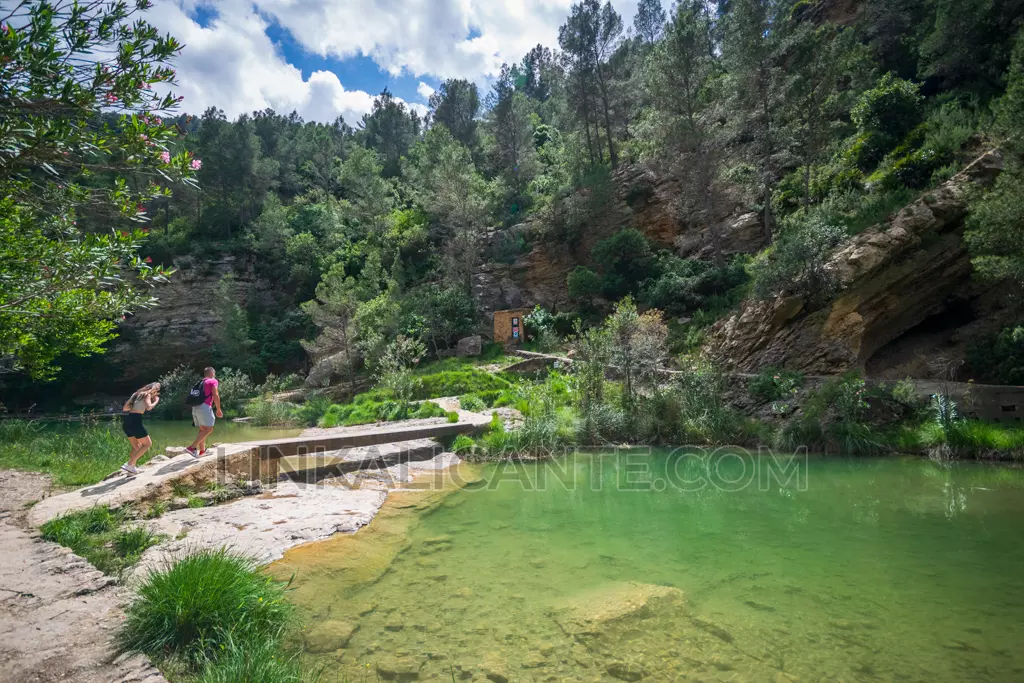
184	324
644	199
893	276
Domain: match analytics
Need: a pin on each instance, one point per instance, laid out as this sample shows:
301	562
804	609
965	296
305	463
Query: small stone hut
510	326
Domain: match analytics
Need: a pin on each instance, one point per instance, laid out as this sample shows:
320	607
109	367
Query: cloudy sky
323	58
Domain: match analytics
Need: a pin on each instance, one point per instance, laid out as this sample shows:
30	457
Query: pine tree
649	21
589	37
754	34
685	128
455	106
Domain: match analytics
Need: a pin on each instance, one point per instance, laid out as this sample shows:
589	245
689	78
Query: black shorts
132	425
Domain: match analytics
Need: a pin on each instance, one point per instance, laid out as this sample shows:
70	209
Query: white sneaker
193	452
130	469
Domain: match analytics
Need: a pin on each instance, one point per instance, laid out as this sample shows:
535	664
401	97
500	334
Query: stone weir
308	458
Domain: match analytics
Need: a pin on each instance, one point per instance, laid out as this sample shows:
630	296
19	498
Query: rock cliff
645	200
184	324
896	277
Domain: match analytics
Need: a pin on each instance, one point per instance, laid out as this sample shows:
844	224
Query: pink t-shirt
209	384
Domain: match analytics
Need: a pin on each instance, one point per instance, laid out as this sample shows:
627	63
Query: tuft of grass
156	510
453	417
131	543
96	536
182	490
196	502
201	606
459	382
257	662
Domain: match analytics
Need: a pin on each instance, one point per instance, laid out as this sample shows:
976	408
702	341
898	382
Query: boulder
329	636
892	278
470	346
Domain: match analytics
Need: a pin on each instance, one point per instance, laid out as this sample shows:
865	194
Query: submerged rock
329	636
399	669
625	671
590	613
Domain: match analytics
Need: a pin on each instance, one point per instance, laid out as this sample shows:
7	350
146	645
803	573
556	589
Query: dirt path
57	613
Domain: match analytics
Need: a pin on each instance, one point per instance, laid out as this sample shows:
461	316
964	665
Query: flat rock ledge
264	527
58	614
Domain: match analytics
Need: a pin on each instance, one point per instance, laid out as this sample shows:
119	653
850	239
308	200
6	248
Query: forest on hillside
821	117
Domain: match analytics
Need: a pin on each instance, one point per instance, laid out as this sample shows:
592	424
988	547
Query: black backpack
196	395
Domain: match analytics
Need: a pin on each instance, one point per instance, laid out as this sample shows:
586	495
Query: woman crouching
142	400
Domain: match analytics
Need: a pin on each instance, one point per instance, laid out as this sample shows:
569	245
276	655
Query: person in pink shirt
203	414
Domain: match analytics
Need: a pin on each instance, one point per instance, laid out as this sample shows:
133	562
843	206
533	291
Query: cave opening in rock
909	354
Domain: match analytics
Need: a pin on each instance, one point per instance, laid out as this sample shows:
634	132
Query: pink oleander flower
111	98
149	259
165	157
196	164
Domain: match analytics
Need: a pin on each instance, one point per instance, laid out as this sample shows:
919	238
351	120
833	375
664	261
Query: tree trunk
607	116
709	208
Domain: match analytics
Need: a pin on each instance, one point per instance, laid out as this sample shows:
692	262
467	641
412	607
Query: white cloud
423	36
424	90
232	64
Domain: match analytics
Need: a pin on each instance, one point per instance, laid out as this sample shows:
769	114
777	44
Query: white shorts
202	415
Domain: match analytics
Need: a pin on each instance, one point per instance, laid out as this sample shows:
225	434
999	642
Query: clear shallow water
864	570
181	433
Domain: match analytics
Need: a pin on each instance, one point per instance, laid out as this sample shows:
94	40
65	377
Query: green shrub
156	510
998	358
889	111
312	409
772	384
583	284
276	385
174	387
463	444
202	604
234	387
453	417
266	412
688	285
472	403
428	409
911	170
196	502
626	260
796	263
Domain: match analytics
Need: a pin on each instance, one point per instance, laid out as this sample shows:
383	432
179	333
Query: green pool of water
181	433
617	567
